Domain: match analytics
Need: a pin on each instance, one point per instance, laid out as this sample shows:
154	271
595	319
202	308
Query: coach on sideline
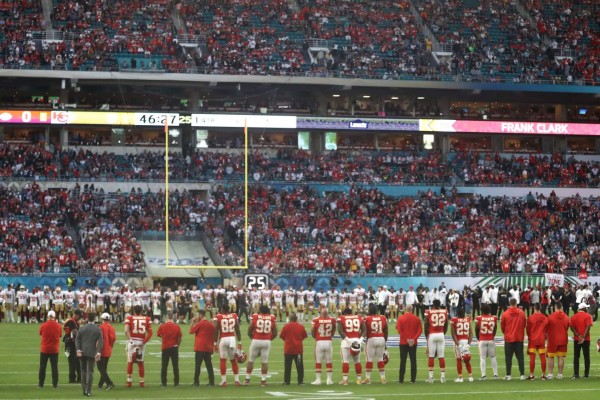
171	335
513	325
109	336
50	331
204	333
409	328
292	335
89	344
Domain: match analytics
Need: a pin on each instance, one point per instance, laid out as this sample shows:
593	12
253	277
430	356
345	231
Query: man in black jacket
71	326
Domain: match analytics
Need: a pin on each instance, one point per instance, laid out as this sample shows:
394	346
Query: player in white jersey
115	306
145	299
45	298
99	300
59	304
128	298
266	297
343	300
69	301
401	300
90	301
195	297
34	305
9	303
231	295
352	302
255	297
393	304
80	298
290	302
22	305
360	297
311	296
322	299
208	294
332	300
301	303
277	294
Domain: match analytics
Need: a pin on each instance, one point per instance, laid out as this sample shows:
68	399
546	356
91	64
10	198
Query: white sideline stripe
308	395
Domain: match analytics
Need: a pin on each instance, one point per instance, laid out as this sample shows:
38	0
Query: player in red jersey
375	329
436	325
537	329
462	334
350	328
138	329
226	332
323	329
558	339
262	331
486	326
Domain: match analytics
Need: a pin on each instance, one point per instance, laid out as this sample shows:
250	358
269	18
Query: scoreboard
265	121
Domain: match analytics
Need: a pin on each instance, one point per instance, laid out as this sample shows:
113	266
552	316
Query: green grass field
19	360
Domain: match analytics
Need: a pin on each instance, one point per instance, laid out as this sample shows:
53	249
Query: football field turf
19	361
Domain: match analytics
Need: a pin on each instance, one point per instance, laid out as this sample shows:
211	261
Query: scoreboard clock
258	281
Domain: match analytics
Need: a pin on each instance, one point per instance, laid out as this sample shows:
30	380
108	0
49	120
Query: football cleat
470	379
329	382
443	379
508	378
429	380
459	380
241	356
367	381
344	382
383	381
316	382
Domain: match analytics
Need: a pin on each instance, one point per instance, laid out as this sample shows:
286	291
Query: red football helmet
241	356
355	348
386	357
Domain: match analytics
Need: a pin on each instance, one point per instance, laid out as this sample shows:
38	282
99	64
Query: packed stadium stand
493	40
357	159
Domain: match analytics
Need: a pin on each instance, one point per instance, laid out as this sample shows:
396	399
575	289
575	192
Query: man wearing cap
580	324
71	327
50	331
89	344
109	337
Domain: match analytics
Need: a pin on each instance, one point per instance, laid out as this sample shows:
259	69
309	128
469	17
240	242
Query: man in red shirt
227	330
409	328
513	323
436	325
262	330
204	333
323	329
558	338
462	336
580	324
292	335
108	338
350	328
170	333
51	332
537	327
375	329
138	330
486	326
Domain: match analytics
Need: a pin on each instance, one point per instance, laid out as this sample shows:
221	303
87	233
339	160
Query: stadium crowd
36	162
364	230
488	39
87	229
